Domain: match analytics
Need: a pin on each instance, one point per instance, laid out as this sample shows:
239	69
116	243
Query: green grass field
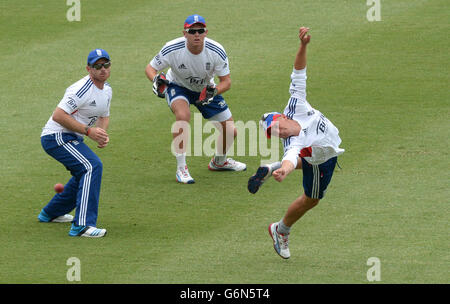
384	84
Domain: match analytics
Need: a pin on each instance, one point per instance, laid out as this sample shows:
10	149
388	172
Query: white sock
181	160
274	166
282	228
220	159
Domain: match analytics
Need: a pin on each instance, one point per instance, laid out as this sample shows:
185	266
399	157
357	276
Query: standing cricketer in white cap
84	110
194	61
311	143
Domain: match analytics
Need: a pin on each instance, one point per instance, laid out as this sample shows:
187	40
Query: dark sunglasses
193	31
98	66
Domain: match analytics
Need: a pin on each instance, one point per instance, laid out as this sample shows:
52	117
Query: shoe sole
188	182
224	169
257	180
82	234
64	220
191	181
55	220
93	236
275	242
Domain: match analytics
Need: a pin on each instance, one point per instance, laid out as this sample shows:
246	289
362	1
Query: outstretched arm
300	58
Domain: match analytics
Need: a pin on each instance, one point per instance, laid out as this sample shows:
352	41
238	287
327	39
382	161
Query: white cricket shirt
191	71
317	133
84	102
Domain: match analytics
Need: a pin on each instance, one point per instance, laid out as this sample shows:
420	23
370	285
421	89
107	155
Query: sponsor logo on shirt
196	80
182	67
93	120
321	125
71	103
158	59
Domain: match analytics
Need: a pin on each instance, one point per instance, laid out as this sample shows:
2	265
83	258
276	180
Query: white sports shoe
280	241
94	232
63	219
87	231
229	165
45	218
183	176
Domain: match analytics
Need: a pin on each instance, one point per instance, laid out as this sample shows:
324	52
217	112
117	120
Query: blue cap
194	19
268	120
96	55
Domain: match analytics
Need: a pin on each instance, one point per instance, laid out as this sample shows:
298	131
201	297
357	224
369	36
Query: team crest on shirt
208	66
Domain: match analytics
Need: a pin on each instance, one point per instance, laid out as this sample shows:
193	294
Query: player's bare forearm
103	122
224	84
286	168
68	122
300	58
97	134
150	72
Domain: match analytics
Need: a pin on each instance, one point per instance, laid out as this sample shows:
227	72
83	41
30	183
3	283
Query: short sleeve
292	155
160	61
222	67
106	114
71	102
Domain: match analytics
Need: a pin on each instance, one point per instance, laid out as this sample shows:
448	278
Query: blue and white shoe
261	175
280	241
87	231
183	176
45	218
